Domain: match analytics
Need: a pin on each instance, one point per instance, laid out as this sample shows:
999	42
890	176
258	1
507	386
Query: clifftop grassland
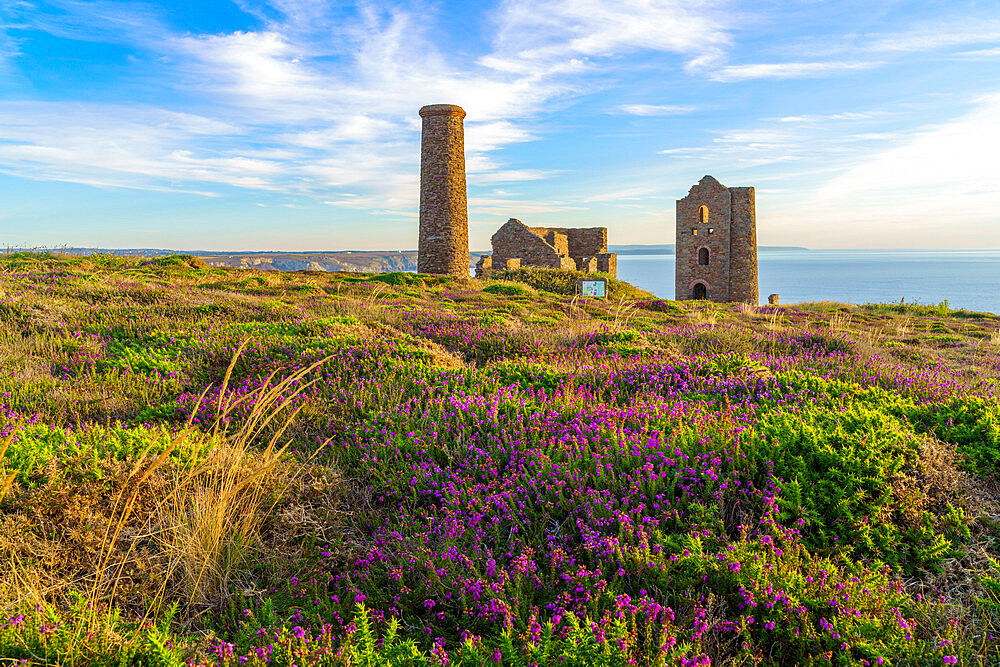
217	466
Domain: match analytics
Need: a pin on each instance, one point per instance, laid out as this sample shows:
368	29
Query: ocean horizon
966	279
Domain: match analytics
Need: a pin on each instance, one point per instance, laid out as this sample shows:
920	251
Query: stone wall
443	244
555	238
484	266
607	262
727	234
515	239
587	241
552	247
743	244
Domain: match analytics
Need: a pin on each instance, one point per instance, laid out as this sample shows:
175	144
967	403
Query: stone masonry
716	251
581	249
443	245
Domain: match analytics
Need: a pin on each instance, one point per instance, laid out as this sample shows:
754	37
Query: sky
292	124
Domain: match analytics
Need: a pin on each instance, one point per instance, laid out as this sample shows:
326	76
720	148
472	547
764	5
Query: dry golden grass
704	317
840	321
903	329
211	522
6	479
161	533
624	312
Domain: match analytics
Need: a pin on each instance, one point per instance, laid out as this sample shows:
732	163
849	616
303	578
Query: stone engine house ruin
575	249
716	251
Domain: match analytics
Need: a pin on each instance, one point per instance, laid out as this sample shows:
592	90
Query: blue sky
292	124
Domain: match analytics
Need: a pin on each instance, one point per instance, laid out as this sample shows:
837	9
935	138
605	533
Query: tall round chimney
444	215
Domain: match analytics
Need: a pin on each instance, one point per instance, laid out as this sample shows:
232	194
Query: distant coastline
354	261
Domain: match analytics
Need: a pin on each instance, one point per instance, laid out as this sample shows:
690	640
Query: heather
222	467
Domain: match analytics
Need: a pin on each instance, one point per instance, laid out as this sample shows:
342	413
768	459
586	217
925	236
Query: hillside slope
222	466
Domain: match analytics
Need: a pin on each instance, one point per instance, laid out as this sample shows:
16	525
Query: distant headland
355	261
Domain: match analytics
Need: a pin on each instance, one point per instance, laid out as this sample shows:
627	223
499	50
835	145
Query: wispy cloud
945	173
785	70
931	35
539	33
324	95
980	53
656	109
823	118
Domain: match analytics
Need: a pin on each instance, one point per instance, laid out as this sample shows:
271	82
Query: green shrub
398	279
45	635
970	421
564	283
530	376
34	446
508	289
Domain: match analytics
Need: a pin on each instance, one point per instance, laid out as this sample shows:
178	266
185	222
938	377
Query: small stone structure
716	251
773	299
580	249
443	246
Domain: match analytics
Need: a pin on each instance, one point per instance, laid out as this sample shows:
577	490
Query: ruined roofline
530	230
708	179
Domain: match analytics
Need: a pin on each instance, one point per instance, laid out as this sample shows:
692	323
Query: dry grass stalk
995	337
213	518
6	480
871	341
747	309
903	328
624	312
840	321
708	317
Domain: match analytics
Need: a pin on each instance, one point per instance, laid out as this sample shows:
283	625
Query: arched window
699	292
703	256
703	213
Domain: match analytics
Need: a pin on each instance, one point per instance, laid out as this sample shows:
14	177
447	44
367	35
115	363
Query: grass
221	467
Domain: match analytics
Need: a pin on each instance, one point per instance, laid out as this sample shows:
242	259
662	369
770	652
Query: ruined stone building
716	244
443	245
576	249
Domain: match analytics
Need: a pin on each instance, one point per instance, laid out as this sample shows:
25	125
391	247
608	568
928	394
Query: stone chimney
444	216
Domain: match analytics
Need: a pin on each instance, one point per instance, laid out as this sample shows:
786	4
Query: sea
966	279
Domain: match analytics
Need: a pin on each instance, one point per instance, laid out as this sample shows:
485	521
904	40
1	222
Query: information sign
596	288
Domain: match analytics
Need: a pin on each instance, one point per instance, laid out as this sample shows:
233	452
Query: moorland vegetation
235	467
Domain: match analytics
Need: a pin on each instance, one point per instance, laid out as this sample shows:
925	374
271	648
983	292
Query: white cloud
509	176
980	53
324	97
534	33
785	70
932	35
946	174
846	115
132	147
516	208
656	109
